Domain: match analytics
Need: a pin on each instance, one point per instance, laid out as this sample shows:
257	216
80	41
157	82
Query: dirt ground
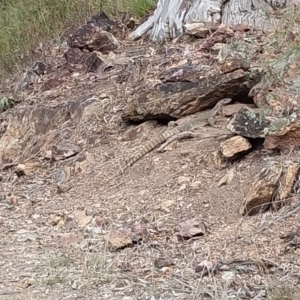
53	244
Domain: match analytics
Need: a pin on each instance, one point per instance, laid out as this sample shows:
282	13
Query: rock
81	218
57	221
27	282
63	175
116	239
74	56
191	228
93	62
260	193
277	97
278	90
283	133
279	132
137	233
131	24
80	61
39	67
102	21
93	38
233	146
181	73
162	262
200	29
64	150
28	167
63	188
28	78
82	161
37	128
238	50
219	36
189	89
284	194
178	99
249	123
262	190
237	55
52	83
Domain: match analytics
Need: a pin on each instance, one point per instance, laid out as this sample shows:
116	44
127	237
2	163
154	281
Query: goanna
207	117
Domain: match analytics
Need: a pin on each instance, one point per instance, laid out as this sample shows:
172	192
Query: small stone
225	268
162	262
191	228
117	239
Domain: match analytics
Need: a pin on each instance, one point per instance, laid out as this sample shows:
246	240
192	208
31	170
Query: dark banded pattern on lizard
207	117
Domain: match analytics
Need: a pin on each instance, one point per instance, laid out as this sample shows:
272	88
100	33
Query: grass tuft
6	103
25	23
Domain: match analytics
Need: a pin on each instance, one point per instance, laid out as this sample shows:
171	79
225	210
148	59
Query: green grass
25	23
137	8
6	103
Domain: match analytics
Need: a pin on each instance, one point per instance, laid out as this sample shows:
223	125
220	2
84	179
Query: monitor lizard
205	118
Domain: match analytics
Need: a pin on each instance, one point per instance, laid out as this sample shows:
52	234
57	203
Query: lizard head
226	100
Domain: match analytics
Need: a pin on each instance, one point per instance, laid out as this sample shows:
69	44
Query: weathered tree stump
171	16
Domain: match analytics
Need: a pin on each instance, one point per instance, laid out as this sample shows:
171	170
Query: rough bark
170	16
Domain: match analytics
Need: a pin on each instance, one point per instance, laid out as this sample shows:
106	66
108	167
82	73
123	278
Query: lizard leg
211	122
178	136
172	124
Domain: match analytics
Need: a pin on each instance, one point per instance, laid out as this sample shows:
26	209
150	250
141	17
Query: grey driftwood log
170	16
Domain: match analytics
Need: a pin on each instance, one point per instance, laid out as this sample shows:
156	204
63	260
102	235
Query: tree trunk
170	16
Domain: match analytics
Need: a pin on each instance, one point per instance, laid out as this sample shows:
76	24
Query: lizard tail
149	147
142	152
